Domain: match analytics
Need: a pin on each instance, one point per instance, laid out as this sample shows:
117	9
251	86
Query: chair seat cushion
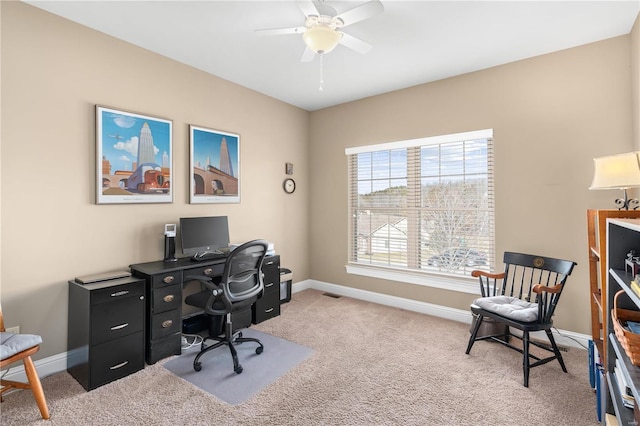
509	307
11	343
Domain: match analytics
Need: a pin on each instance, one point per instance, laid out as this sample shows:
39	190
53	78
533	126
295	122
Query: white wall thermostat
170	230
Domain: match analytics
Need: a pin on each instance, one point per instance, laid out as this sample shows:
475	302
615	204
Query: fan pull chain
321	73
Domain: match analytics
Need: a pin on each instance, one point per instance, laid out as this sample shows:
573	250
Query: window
423	205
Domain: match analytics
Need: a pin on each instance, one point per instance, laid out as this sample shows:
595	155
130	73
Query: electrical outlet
15	329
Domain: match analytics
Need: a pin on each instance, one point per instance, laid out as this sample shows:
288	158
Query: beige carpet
372	365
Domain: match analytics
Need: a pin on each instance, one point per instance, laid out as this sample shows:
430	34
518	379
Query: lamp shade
321	38
617	171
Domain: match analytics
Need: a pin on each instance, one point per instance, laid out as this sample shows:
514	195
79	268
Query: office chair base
237	368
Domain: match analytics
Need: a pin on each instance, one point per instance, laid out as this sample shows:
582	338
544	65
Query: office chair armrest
539	288
207	281
216	291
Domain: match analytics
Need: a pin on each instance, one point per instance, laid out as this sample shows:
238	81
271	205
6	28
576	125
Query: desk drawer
271	271
209	270
116	292
115	359
270	286
160	349
268	306
113	320
168	278
166	298
165	323
271	261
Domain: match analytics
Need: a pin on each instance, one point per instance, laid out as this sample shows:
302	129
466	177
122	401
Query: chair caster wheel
197	366
259	350
238	369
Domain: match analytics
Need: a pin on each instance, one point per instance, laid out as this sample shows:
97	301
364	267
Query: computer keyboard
199	257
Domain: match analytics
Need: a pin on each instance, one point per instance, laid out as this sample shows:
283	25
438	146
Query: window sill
445	282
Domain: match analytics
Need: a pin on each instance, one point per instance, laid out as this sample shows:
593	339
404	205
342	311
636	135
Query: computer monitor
204	234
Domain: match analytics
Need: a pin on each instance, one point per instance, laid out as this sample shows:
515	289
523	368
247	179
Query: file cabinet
105	336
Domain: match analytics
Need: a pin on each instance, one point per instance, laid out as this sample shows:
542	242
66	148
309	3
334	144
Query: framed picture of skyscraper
133	158
214	165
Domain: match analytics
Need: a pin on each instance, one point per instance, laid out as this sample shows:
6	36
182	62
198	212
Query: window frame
437	279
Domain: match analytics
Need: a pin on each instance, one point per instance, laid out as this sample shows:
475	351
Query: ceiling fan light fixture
321	38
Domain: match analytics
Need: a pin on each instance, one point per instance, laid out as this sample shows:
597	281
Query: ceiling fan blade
354	43
307	55
308	8
361	12
278	31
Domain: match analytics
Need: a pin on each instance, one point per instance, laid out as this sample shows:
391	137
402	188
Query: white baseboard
57	363
562	337
397	302
46	367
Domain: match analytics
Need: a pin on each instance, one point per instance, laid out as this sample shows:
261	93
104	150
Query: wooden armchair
16	347
506	298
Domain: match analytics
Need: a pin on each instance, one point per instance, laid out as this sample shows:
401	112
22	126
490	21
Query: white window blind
423	205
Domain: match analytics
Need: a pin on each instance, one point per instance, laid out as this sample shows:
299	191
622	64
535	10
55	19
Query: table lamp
618	172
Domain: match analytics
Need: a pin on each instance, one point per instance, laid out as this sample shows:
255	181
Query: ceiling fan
322	27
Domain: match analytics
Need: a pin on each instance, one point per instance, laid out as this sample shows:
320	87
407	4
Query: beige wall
635	81
53	73
551	115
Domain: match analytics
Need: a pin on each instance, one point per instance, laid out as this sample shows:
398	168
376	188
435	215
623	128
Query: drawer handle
122	364
208	271
168	298
119	327
266	311
268	285
119	293
168	279
167	323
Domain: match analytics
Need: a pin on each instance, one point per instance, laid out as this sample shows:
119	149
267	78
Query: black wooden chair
506	298
231	300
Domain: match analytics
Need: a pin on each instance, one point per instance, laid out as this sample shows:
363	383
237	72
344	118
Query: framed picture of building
214	166
133	158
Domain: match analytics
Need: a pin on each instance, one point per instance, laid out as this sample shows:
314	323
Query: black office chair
506	299
231	298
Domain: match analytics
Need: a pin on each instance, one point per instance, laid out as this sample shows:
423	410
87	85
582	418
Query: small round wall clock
289	185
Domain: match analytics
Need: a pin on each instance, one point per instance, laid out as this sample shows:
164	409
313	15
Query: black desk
165	282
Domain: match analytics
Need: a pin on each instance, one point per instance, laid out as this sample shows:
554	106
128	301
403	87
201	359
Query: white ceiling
414	42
